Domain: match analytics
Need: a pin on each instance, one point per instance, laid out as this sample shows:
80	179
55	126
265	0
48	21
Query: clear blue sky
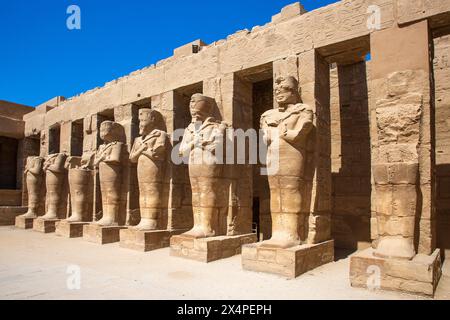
40	58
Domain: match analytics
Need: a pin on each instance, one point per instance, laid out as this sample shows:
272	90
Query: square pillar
314	81
127	117
402	137
234	99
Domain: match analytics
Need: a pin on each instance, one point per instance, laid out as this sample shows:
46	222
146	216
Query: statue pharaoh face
200	107
286	91
146	121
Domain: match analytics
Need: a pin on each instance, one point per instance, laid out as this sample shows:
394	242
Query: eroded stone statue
109	161
34	178
202	141
150	153
396	176
80	176
54	167
287	129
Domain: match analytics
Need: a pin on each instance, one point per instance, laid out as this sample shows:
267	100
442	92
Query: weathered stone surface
24	223
362	168
101	234
144	241
209	249
418	276
291	262
68	229
45	225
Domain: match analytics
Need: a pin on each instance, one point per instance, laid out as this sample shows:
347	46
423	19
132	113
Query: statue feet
74	218
395	248
281	242
50	216
106	222
147	225
200	232
29	215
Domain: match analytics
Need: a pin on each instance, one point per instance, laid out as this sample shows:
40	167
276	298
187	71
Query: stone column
176	193
233	96
91	142
402	126
127	117
314	81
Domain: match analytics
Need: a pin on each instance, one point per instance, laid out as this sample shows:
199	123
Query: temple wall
294	43
442	96
351	160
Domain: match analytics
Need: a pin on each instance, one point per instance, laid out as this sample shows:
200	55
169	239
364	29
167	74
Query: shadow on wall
352	184
443	205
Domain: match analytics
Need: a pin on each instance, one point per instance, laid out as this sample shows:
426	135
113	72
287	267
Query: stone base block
209	249
101	235
147	240
70	229
289	263
24	223
45	226
419	276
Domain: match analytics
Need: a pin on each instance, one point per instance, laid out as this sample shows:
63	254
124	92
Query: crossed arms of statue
208	141
36	167
153	149
293	129
55	163
110	154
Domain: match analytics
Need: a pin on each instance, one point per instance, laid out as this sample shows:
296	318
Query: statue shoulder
300	107
161	133
269	113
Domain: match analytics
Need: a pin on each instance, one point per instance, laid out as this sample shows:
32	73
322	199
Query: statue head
286	91
201	107
149	120
110	131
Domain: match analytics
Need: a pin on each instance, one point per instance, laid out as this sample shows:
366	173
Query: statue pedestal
44	225
70	229
209	249
418	276
289	263
24	223
147	240
101	235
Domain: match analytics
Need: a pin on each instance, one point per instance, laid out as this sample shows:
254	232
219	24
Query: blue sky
40	58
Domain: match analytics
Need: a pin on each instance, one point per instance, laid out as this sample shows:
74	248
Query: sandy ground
35	266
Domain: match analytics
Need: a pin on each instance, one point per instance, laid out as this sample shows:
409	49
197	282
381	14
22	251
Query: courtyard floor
35	266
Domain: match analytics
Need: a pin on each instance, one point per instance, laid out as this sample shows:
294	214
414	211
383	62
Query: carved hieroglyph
150	153
396	172
286	133
202	140
54	180
80	178
34	178
109	161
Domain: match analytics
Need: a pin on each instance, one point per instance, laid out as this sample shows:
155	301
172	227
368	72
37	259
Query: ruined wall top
292	31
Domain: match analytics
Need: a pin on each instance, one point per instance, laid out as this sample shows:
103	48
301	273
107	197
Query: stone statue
80	176
54	179
202	140
34	179
150	153
286	133
109	161
396	177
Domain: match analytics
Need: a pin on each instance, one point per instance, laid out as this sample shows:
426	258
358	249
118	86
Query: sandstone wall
442	90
